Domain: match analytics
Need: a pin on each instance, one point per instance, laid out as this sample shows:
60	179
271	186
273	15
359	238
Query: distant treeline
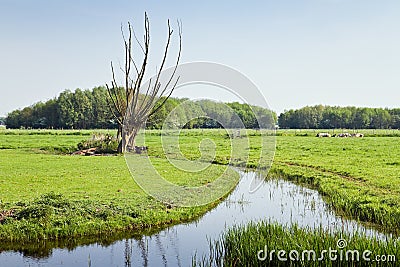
328	117
89	109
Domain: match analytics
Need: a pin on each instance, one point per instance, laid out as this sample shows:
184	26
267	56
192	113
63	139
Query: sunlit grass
101	188
359	177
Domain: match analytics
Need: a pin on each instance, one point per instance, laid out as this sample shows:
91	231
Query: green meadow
46	193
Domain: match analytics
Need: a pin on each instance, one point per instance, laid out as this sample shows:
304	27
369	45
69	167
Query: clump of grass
54	217
37	211
241	246
59	149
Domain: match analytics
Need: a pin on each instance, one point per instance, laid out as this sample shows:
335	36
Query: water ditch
276	200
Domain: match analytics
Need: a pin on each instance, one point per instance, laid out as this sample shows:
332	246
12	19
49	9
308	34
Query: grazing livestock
358	135
137	149
343	135
323	135
349	135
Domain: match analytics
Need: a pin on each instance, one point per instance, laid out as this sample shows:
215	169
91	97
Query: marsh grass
239	246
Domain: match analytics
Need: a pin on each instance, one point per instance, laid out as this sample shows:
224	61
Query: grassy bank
47	195
359	177
242	245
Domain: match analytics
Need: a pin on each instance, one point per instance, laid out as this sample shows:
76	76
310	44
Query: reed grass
242	245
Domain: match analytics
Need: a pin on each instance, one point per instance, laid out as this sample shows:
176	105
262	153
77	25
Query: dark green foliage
42	208
82	109
36	211
326	117
89	109
54	200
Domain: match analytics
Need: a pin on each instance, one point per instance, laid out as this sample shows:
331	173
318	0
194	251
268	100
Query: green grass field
49	195
358	176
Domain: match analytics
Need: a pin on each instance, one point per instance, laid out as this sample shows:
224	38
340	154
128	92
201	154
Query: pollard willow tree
132	103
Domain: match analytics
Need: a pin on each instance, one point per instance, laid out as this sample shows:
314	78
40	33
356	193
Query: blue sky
299	52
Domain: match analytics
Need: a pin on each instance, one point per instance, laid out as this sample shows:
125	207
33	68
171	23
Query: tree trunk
128	139
119	149
124	142
119	133
132	137
119	136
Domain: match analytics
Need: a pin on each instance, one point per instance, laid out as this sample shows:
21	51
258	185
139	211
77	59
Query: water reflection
277	200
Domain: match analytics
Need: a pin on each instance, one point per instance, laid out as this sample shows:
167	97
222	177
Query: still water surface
276	200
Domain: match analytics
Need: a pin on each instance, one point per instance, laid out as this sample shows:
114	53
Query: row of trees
328	117
210	114
90	109
82	109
